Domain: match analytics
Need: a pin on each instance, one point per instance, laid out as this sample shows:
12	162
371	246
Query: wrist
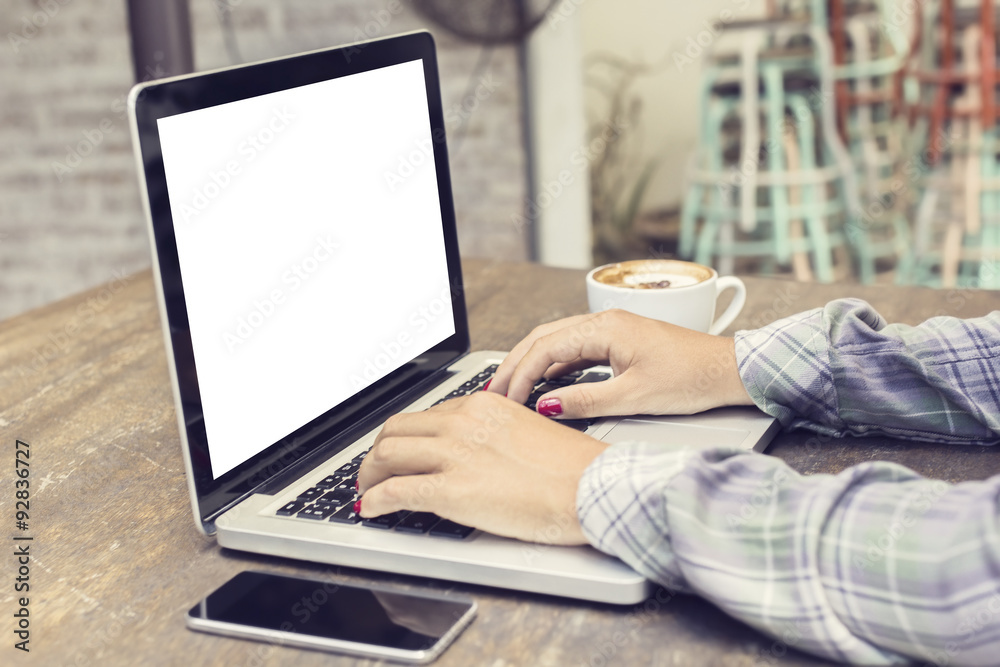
731	388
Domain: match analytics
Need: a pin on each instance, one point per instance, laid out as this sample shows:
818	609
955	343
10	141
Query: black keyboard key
339	496
349	469
291	508
328	482
593	376
578	424
345	515
417	522
386	521
311	493
319	512
533	399
446	528
347	485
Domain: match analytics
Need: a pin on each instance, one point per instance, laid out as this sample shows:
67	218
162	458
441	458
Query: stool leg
750	152
816	226
800	261
695	203
775	103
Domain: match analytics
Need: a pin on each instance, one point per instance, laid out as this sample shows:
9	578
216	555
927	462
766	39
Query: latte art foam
657	280
652	274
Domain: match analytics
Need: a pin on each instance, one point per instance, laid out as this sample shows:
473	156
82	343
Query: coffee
671	290
646	274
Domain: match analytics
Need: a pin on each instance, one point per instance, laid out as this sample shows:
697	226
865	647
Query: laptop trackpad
662	430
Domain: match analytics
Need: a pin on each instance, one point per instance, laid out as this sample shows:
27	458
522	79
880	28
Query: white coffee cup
682	293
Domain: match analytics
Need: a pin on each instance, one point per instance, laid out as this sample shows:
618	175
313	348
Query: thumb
596	399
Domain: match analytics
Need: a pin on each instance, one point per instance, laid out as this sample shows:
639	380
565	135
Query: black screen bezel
156	100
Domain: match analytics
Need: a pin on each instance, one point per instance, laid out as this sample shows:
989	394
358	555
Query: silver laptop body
308	277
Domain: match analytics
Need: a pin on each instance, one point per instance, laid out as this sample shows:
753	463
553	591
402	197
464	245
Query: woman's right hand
659	368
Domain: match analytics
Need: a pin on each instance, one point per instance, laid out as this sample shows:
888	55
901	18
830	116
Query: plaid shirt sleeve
875	565
842	370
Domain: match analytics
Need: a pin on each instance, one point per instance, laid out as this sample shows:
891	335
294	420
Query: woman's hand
659	368
483	461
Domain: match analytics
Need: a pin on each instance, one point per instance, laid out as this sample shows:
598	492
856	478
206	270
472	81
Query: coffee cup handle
735	306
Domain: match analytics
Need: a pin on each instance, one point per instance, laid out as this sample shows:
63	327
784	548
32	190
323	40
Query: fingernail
487	385
357	507
356	485
549	407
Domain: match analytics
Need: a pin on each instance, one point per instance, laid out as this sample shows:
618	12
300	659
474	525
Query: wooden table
116	558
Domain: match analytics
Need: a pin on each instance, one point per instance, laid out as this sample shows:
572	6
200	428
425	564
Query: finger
393	456
616	396
560	369
501	377
419	493
578	346
413	424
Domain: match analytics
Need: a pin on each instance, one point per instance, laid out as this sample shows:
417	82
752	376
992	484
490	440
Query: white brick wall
64	73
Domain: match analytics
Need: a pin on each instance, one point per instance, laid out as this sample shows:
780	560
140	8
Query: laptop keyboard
333	497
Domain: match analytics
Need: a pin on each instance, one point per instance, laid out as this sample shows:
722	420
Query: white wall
662	34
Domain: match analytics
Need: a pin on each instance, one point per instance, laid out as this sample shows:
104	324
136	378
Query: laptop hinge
277	482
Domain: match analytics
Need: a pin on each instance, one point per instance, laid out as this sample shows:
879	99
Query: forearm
841	369
866	566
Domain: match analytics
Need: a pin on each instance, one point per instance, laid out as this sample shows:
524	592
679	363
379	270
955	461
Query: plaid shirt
876	565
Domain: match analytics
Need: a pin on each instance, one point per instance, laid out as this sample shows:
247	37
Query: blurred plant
619	177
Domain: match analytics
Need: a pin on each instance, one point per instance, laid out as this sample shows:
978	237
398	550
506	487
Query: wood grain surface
116	558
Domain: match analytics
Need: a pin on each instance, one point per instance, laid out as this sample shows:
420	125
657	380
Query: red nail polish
487	385
356	487
549	407
357	507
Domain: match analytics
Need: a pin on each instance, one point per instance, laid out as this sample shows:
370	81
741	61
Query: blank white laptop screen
310	241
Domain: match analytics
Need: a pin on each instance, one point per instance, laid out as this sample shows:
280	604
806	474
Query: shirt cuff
785	368
621	505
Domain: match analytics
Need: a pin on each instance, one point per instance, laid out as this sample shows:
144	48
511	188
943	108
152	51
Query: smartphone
368	621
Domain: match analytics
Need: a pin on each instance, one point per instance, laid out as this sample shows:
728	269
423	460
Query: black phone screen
331	610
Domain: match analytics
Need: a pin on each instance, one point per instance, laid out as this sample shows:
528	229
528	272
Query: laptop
307	270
